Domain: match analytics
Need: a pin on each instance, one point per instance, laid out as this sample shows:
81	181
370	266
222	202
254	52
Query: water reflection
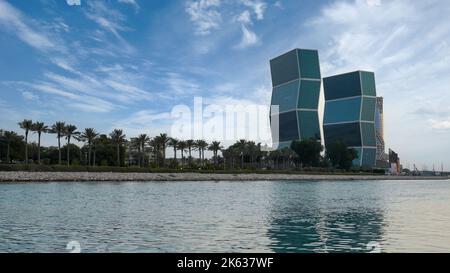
226	217
309	219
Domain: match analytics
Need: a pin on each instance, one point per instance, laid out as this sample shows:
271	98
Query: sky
127	63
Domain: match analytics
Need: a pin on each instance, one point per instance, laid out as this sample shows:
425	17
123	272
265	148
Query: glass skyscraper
296	88
350	101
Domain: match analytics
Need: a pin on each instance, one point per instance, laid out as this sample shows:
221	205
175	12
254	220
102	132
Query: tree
215	147
27	126
118	138
162	141
201	146
173	142
190	144
88	136
9	137
241	146
39	128
69	132
340	155
182	146
58	129
308	151
142	140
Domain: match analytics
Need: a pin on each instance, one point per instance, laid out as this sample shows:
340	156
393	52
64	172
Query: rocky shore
90	176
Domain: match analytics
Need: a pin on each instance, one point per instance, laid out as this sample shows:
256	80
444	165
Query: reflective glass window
284	68
368	109
368	134
368	83
309	124
288	126
309	94
342	86
286	96
309	64
348	133
369	157
342	110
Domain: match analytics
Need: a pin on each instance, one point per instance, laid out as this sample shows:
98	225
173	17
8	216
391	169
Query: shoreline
21	176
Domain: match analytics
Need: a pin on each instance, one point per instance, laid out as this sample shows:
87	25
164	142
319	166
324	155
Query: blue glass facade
350	101
296	84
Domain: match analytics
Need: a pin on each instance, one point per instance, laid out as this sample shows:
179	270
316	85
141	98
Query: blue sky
126	63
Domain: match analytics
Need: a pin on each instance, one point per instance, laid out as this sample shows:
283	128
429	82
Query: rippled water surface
391	216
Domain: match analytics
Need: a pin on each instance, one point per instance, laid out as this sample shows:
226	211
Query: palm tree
201	146
162	140
27	125
96	143
155	148
242	146
174	144
58	129
117	138
215	147
135	144
8	137
88	136
39	128
190	144
142	139
70	131
182	146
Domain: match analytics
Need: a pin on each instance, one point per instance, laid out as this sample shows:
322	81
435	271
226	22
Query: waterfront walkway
90	176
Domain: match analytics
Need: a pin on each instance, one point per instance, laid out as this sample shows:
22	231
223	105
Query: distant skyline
126	63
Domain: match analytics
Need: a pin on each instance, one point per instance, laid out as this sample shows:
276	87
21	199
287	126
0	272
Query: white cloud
12	19
110	20
145	121
257	6
30	96
73	2
249	38
373	2
204	15
244	17
440	125
407	47
130	2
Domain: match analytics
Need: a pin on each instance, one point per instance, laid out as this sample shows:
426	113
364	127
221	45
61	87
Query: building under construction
381	158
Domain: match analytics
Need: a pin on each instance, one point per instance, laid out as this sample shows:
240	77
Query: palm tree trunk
203	157
118	155
59	150
139	156
89	154
94	158
68	151
26	148
175	153
39	148
7	153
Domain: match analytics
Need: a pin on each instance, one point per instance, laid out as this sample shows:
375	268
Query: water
388	216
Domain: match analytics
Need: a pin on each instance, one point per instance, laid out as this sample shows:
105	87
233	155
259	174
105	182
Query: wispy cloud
130	2
73	2
440	125
248	38
13	19
110	20
205	15
407	47
257	6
